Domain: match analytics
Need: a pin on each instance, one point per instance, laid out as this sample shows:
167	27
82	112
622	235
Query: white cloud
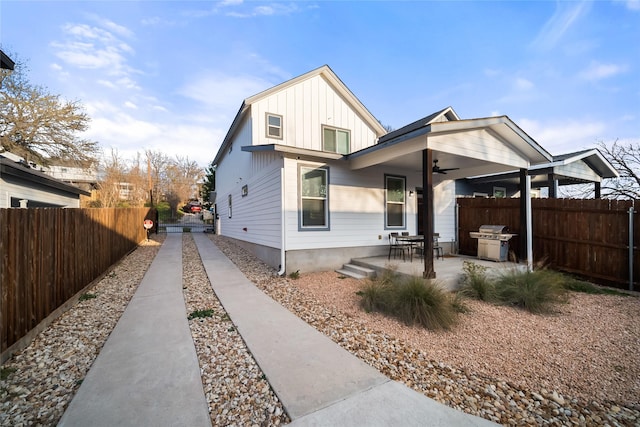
522	84
566	15
131	105
633	5
564	136
598	71
214	89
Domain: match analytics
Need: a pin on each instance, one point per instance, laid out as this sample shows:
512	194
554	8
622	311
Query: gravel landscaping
578	366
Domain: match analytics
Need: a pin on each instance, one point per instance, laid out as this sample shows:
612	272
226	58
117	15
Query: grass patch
411	300
186	229
200	314
295	275
87	296
5	372
576	285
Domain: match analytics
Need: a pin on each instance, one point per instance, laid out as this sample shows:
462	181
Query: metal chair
437	249
395	246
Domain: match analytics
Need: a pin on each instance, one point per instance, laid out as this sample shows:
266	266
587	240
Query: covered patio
442	147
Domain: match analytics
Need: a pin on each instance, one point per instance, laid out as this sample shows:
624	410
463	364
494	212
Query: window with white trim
395	201
229	205
274	126
314	203
336	140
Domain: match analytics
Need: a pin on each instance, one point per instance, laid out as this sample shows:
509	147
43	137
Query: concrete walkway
147	373
318	382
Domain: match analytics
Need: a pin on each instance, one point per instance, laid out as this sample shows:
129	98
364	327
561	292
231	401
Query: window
229	205
314	204
395	201
499	192
245	190
274	126
335	140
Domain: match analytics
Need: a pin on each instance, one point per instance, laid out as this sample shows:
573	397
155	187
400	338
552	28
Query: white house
23	186
307	178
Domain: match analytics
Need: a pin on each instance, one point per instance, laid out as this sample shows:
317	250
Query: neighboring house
6	62
582	167
23	186
307	178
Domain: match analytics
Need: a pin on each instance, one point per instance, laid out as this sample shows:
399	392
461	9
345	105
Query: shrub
377	295
535	291
87	296
424	303
475	283
413	300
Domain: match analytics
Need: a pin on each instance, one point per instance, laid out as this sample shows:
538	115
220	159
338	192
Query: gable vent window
335	140
274	126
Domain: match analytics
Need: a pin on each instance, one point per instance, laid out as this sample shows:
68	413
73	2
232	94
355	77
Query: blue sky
170	76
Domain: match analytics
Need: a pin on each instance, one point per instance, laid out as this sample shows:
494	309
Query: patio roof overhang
475	146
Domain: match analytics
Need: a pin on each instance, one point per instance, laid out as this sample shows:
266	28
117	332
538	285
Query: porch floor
448	270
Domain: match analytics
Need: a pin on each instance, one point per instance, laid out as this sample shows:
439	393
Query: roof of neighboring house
333	80
593	158
18	170
6	62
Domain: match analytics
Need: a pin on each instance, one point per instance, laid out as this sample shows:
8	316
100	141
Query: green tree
209	184
40	126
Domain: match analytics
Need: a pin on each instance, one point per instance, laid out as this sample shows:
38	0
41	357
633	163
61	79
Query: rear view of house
307	178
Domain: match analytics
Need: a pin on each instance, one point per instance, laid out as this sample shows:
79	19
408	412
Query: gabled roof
420	123
6	62
592	157
326	72
25	173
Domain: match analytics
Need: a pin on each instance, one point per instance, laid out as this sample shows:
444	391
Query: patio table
412	241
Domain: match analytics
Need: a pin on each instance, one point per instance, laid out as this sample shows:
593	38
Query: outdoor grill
493	242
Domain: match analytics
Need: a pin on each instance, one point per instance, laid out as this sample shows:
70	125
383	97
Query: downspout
282	225
631	248
529	225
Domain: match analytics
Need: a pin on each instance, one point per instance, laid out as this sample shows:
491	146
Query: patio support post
524	193
597	190
427	213
553	186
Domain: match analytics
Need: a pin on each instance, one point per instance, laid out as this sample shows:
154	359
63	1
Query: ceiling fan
438	169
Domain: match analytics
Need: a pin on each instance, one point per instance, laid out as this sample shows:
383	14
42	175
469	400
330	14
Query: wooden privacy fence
50	254
589	238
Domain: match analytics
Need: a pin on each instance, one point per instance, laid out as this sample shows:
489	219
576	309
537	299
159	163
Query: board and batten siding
255	217
305	108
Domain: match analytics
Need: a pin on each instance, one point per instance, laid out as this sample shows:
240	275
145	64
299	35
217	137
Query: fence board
585	237
48	255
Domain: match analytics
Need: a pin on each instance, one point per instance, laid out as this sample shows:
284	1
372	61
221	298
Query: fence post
631	211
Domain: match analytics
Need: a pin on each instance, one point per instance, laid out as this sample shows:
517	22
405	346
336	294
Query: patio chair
437	249
396	246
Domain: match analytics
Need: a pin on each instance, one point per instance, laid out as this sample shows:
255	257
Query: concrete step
356	271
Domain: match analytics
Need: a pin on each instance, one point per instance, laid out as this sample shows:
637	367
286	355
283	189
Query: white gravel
576	367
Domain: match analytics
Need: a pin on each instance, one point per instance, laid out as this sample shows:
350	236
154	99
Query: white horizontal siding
235	162
305	108
11	189
478	144
444	200
259	212
356	203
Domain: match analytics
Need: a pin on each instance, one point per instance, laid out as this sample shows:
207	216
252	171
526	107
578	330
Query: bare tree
40	126
625	157
182	177
113	173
